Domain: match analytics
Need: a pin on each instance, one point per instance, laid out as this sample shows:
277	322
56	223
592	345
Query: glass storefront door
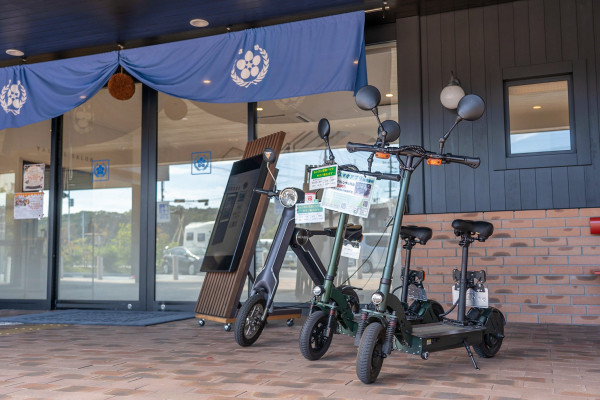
100	222
24	173
197	145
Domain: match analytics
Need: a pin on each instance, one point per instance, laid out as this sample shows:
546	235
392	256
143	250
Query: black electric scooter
252	316
382	329
332	308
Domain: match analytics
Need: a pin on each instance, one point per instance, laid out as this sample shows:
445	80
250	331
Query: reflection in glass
23	242
99	237
197	145
303	147
539	117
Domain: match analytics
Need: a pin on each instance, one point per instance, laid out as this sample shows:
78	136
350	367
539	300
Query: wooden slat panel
560	188
528	195
543	186
454	55
577	188
568	18
552	30
221	291
512	190
522	34
481	176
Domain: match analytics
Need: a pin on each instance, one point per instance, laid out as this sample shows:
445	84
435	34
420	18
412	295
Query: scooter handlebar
415	151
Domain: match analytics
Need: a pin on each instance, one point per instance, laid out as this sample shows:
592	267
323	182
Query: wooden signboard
219	297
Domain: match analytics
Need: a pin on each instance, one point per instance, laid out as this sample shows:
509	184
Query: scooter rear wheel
248	323
370	355
492	340
313	343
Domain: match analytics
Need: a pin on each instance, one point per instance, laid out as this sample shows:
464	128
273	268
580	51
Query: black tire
369	359
248	323
437	310
354	302
492	341
313	345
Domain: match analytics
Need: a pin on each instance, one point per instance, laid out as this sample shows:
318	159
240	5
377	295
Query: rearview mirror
471	107
368	98
324	129
392	131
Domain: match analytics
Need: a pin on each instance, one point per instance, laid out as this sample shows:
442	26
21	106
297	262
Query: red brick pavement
181	361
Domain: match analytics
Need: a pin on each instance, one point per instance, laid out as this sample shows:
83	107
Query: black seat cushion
419	232
482	228
353	232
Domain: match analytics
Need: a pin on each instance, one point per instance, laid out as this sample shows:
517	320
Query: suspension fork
335	258
388	269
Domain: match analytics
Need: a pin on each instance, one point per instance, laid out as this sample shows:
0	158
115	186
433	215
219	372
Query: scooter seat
483	229
416	232
353	232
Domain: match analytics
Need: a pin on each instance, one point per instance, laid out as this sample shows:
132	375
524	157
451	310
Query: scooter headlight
288	197
318	290
377	298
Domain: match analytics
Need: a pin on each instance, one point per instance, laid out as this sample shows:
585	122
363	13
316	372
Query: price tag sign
352	194
323	177
351	249
309	213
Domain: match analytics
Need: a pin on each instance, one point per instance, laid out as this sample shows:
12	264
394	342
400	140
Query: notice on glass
309	213
33	177
323	177
29	205
352	194
163	212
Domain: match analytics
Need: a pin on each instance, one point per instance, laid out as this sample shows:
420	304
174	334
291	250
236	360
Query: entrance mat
100	317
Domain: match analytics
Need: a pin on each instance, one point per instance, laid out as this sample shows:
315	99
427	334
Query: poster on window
29	205
33	177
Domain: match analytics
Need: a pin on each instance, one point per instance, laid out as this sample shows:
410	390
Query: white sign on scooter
352	194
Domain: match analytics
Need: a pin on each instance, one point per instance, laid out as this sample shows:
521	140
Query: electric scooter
382	329
252	316
332	308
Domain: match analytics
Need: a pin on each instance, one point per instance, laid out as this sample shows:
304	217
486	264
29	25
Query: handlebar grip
472	162
264	191
352	147
389	177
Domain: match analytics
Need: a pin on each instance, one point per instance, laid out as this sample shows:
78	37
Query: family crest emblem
252	67
13	97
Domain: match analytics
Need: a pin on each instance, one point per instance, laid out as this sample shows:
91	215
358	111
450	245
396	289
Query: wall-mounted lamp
452	93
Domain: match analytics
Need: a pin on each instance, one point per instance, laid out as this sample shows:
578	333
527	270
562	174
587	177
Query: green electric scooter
383	328
332	308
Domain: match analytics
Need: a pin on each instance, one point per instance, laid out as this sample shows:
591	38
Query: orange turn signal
384	156
434	161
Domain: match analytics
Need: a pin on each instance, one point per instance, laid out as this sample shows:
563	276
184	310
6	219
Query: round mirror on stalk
471	107
368	98
324	129
391	129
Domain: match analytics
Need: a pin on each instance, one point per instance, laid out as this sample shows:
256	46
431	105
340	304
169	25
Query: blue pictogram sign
201	163
100	170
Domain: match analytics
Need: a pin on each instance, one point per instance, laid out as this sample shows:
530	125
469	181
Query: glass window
299	117
100	224
197	145
23	241
539	117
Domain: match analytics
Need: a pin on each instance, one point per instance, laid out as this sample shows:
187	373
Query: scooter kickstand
470	354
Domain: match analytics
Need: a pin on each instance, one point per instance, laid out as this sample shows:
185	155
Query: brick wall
540	264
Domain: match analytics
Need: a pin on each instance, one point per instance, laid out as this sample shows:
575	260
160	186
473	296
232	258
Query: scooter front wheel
249	323
313	340
369	359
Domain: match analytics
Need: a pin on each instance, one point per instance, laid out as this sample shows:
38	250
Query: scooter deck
440	336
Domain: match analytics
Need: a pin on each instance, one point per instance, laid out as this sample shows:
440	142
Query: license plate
474	299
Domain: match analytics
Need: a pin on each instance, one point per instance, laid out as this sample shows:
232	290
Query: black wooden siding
484	46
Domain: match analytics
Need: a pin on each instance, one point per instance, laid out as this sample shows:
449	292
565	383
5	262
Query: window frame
523	82
578	115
